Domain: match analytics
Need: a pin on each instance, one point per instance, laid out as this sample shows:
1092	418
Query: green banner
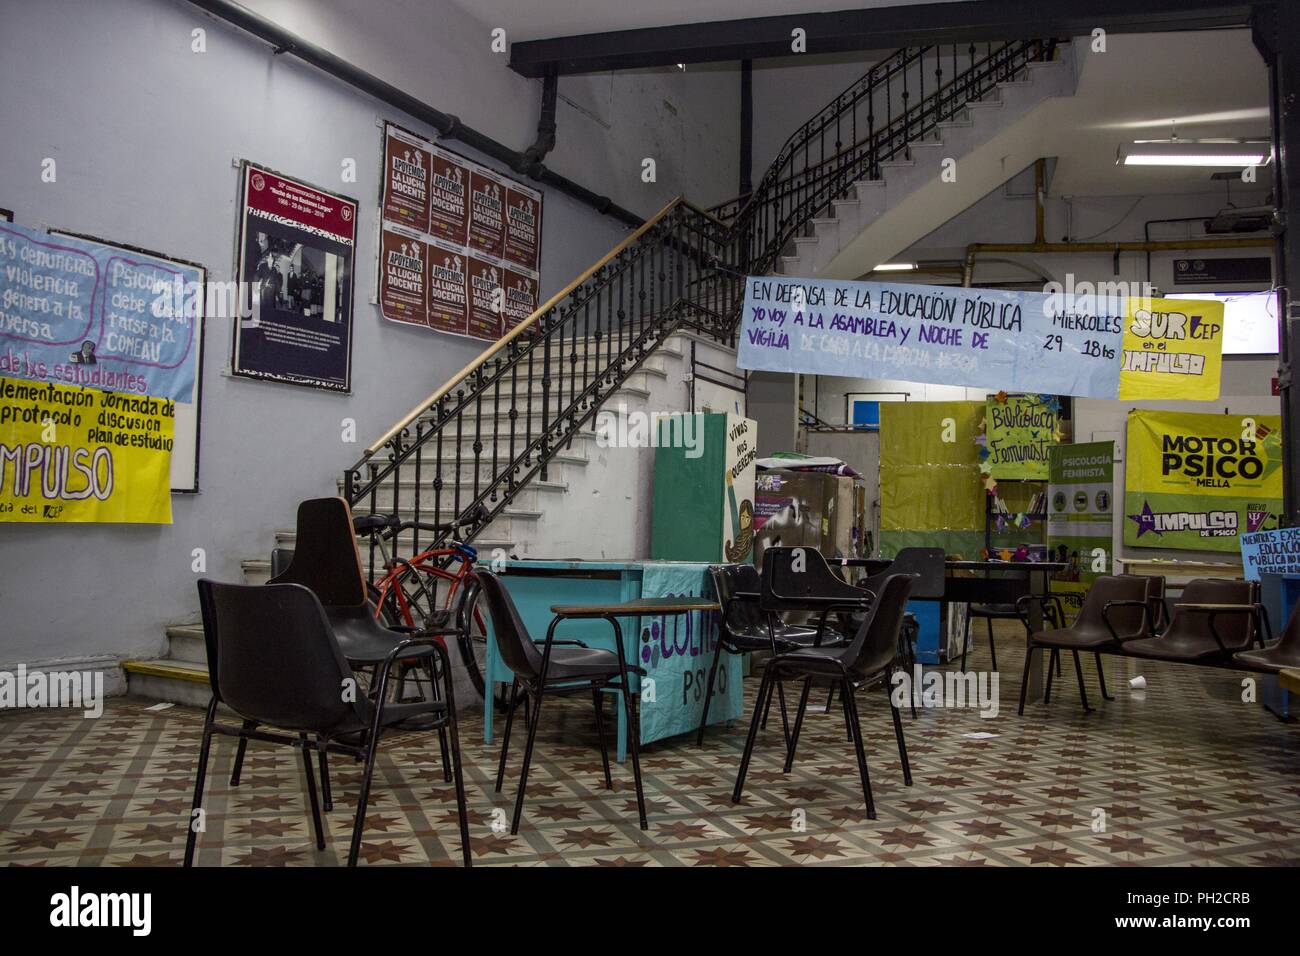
1080	517
1020	431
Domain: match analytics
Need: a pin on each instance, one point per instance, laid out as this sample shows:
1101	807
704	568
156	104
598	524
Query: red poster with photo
407	162
485	285
449	197
521	298
403	277
523	227
487	226
448	303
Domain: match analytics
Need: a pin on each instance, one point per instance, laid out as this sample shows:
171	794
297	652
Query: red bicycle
407	595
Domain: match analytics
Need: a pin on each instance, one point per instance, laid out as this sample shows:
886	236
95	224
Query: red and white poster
487	205
523	226
486	297
520	299
403	289
449	198
296	245
407	168
460	244
448	275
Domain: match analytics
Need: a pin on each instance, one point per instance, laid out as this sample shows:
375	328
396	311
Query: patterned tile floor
1184	773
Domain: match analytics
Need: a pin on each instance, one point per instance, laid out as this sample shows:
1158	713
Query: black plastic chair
559	665
744	627
1194	634
870	655
273	659
926	568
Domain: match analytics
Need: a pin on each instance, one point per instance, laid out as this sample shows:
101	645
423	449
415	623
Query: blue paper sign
1270	552
982	338
76	312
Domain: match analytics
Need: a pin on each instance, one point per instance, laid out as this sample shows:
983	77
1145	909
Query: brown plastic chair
1274	657
1116	611
1207	625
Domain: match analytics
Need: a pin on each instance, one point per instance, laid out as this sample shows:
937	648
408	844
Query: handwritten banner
1017	341
70	454
1173	348
1020	434
85	313
1270	552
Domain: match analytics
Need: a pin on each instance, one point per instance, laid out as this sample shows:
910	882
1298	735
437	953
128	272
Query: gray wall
144	131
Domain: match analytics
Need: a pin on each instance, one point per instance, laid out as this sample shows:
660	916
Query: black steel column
746	127
1277	35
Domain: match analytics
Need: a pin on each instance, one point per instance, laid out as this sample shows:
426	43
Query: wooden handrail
532	319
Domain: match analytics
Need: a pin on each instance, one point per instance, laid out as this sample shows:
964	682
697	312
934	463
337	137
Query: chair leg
798	724
238	769
965	641
600	732
192	834
764	694
311	791
846	689
1024	679
1057	657
1053	660
708	691
327	794
993	651
898	726
848	718
1083	691
505	738
911	674
1101	677
634	747
534	720
367	775
453	735
434	694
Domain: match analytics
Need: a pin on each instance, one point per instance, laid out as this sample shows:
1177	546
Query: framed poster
295	255
465	238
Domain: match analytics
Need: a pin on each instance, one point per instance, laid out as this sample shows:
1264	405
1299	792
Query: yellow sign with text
1173	349
71	454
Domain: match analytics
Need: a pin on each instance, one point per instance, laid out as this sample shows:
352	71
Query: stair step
185	643
179	682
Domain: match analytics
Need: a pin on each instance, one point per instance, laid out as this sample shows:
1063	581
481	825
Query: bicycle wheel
473	650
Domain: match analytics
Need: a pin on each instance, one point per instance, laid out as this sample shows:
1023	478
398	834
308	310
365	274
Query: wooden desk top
641	607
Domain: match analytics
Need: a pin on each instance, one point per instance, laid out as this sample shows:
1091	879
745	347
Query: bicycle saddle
364	524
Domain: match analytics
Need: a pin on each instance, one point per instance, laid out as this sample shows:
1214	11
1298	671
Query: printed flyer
459	243
1173	348
296	247
1199	481
74	454
1080	518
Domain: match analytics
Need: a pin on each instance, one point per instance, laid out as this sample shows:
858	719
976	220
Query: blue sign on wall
77	312
1270	552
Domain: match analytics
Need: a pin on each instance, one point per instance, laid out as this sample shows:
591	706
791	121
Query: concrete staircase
990	141
575	512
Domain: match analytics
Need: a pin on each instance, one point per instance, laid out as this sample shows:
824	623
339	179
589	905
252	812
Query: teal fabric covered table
675	650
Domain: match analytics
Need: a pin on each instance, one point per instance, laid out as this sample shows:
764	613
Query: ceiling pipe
447	125
1113	248
546	124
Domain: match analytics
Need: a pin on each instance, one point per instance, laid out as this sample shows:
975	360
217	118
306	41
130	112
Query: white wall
144	131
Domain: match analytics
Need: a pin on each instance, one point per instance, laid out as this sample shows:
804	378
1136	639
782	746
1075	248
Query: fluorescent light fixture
1194	152
895	267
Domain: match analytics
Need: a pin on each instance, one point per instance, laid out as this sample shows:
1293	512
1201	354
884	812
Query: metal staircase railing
476	442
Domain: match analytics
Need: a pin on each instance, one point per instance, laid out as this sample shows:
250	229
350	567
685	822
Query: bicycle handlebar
390	526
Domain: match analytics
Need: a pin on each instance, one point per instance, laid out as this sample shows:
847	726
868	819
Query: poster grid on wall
295	256
459	244
189	415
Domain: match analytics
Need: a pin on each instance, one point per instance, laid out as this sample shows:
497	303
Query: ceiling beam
880	28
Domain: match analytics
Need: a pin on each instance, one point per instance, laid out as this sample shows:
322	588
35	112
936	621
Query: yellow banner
1199	481
80	454
929	466
1173	349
